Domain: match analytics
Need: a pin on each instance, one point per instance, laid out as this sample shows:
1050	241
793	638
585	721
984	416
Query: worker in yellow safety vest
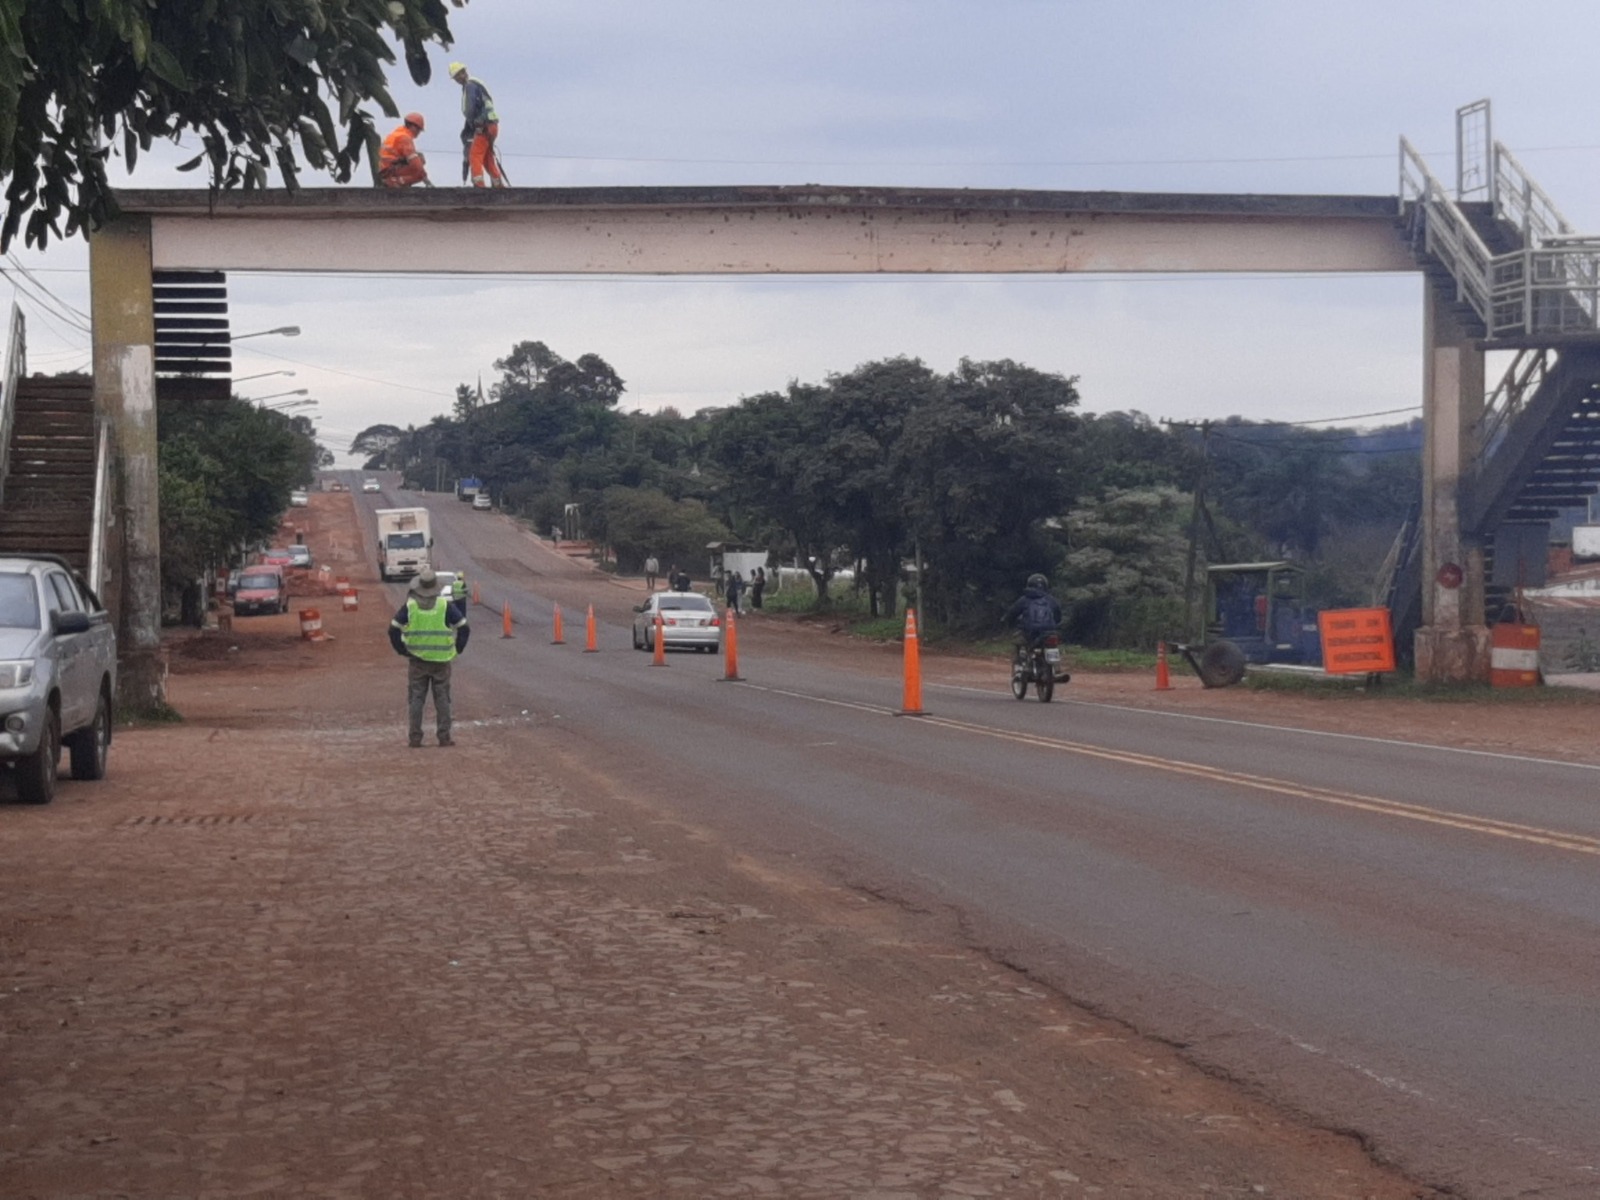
479	130
429	631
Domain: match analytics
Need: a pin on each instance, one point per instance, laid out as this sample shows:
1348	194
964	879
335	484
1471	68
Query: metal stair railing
1522	379
16	364
102	505
1550	287
1447	235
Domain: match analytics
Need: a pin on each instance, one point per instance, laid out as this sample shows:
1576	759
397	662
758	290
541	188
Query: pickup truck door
74	652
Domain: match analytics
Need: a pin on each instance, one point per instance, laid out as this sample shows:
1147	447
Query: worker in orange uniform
480	127
400	163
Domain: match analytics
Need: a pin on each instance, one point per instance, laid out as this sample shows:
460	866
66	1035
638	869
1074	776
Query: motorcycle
1037	663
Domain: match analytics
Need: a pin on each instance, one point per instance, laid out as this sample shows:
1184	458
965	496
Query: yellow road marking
1577	843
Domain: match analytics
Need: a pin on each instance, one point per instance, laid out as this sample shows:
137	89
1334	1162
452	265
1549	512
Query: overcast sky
1273	96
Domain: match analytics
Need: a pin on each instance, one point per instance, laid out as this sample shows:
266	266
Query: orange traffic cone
911	701
589	645
1163	679
557	638
660	657
730	652
476	598
505	620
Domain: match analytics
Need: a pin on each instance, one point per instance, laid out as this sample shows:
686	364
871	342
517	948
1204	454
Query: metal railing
1446	233
1519	201
102	506
16	367
1527	372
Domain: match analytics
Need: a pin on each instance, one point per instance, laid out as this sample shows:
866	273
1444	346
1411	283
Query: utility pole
1194	520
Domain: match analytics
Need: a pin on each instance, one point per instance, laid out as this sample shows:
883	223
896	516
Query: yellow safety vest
427	633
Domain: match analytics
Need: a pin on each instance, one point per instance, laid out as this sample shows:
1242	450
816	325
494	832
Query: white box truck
405	543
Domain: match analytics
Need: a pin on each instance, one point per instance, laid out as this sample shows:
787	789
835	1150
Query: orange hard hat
416	119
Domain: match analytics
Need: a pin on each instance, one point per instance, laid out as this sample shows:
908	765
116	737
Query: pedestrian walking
735	588
651	569
429	631
758	585
480	129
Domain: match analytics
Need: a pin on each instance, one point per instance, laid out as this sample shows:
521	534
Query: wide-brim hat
426	585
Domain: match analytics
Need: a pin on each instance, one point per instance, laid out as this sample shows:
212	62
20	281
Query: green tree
256	80
1122	581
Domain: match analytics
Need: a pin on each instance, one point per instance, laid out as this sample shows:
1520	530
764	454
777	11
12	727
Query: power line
1388	412
61	304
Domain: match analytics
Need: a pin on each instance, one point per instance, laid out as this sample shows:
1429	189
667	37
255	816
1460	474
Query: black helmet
1037	580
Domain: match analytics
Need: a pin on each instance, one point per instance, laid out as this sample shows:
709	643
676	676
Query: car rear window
19	602
261	579
691	603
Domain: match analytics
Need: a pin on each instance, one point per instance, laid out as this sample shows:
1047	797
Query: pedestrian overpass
1506	271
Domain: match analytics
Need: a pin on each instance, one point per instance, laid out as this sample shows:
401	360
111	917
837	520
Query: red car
277	557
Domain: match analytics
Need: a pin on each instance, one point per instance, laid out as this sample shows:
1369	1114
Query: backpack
1039	614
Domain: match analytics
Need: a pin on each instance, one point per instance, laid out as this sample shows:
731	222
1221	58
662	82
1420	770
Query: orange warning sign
1356	640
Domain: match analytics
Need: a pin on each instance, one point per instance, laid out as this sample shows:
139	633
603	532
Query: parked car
260	589
58	674
278	556
482	502
687	619
299	555
371	485
299	499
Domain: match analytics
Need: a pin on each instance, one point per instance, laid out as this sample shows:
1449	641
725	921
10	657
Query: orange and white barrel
310	624
341	585
351	601
1514	655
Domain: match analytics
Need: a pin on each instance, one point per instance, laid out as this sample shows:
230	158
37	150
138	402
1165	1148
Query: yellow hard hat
457	68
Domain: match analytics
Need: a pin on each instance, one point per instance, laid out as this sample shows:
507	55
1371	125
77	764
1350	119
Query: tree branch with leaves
256	80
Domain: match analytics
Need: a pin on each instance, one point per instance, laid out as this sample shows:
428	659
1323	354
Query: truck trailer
405	543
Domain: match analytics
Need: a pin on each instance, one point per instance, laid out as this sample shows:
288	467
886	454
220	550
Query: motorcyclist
1035	613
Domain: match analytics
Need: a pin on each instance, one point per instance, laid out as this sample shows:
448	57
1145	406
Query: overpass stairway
1518	278
47	499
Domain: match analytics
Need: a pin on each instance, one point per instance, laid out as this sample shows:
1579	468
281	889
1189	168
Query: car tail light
716	622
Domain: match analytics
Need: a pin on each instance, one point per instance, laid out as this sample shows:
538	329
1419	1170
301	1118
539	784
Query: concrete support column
1452	646
122	306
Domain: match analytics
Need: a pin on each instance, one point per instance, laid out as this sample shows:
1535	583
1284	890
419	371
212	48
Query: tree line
948	488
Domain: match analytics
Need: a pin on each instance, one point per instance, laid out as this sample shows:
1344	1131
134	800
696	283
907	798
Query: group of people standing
401	164
733	587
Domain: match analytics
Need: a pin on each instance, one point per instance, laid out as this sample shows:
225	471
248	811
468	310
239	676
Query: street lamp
286	330
275	395
285	405
261	375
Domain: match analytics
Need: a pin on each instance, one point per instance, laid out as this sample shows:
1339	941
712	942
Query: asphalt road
1388	938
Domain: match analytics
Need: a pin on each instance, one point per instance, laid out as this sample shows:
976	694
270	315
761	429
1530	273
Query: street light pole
261	375
285	330
275	395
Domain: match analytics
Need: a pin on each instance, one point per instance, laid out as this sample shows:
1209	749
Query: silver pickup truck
58	674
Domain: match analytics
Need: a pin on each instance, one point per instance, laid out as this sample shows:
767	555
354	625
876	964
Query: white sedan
687	619
371	485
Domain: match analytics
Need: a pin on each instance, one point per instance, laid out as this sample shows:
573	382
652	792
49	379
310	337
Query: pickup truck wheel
36	772
90	746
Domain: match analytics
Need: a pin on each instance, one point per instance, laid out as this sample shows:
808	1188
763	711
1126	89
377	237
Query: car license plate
1052	654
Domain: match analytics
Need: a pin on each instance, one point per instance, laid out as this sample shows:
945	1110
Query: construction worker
400	163
458	590
480	127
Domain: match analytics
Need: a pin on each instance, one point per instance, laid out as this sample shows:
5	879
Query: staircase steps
47	501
